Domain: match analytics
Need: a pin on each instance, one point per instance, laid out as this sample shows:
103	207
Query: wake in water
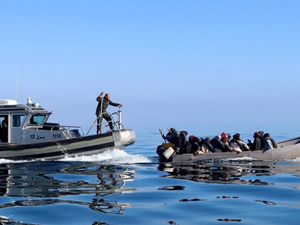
111	157
7	161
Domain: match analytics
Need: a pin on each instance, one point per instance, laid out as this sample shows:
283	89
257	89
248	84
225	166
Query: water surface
132	187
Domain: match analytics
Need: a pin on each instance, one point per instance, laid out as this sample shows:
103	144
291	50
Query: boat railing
56	127
71	128
116	119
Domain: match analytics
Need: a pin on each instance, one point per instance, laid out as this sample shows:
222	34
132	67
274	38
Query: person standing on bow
103	103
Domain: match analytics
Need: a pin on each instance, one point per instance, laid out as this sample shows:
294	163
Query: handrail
116	119
69	128
52	127
117	124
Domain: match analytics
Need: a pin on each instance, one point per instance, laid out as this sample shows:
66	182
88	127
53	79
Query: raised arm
100	97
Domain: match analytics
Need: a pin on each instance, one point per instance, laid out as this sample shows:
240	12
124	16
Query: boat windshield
36	120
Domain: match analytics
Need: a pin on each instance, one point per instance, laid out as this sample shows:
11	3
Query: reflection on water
235	172
226	171
44	182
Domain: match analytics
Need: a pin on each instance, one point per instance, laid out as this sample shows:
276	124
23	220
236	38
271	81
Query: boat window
18	120
3	121
36	119
3	128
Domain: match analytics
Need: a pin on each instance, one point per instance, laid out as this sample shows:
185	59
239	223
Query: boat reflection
46	182
228	171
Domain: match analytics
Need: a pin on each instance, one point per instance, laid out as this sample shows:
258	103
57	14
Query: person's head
172	130
255	135
207	139
191	138
224	137
185	132
258	135
228	136
107	96
237	137
267	135
261	133
218	137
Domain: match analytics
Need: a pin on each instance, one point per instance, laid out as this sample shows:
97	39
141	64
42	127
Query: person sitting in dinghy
225	140
206	146
269	142
237	144
257	142
216	143
228	139
201	146
169	145
170	135
182	144
194	141
219	143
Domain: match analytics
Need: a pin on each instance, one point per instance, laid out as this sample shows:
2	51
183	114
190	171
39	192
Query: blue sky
170	63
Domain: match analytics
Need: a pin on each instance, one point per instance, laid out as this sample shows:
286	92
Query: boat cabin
27	123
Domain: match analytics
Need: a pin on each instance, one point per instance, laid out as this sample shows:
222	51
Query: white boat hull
86	145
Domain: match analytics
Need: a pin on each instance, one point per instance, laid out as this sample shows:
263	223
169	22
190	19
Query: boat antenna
17	87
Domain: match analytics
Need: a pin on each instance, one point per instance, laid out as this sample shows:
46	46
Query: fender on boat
168	153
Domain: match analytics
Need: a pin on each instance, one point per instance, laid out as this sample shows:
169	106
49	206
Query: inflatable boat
288	149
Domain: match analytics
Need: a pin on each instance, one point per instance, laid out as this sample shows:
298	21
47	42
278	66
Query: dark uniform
105	103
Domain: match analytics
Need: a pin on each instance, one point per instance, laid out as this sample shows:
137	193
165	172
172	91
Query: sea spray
110	156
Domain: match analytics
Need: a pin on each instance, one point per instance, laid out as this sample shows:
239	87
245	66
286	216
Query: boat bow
124	137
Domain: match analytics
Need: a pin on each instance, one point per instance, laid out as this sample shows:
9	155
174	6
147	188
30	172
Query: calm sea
131	187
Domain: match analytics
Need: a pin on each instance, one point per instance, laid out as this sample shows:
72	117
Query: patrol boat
26	134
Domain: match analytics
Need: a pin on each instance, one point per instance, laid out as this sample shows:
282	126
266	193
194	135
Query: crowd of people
182	143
